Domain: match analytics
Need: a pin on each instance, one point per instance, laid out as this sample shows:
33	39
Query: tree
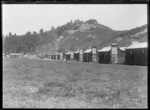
52	28
34	33
61	50
10	34
41	31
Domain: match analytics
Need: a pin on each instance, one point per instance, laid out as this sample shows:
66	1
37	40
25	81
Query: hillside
125	38
71	36
86	34
91	33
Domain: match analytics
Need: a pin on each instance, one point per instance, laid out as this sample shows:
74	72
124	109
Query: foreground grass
57	84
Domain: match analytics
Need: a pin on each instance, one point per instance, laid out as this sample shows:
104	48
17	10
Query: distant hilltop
72	36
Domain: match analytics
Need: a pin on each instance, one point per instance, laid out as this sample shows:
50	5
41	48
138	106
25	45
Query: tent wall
76	56
58	57
54	57
105	57
87	57
136	56
67	56
121	56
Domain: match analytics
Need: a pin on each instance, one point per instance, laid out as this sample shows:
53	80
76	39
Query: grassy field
59	84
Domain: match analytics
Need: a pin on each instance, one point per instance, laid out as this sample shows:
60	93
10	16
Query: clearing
61	84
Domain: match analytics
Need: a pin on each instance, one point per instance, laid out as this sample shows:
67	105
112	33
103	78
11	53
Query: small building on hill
136	54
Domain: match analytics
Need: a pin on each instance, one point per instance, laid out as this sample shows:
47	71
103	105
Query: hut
67	55
76	55
104	55
87	55
136	54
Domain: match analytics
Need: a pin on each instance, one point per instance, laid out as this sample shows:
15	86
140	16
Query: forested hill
71	36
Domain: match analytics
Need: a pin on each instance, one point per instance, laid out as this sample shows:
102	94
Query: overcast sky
22	18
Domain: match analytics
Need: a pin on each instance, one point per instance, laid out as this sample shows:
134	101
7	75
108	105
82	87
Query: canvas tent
58	56
67	56
53	56
105	55
136	54
87	55
121	55
76	55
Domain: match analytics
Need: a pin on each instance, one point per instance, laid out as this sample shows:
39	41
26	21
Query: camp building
136	54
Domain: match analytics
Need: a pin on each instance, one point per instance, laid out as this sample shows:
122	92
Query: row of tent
135	54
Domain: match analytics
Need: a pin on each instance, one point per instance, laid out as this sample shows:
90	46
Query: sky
21	18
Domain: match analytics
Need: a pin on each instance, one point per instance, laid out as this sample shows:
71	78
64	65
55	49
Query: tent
87	55
58	56
67	56
53	56
121	55
76	55
105	55
136	54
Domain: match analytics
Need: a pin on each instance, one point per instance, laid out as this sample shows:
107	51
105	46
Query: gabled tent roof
56	53
88	51
76	51
105	49
122	48
138	45
53	53
68	53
